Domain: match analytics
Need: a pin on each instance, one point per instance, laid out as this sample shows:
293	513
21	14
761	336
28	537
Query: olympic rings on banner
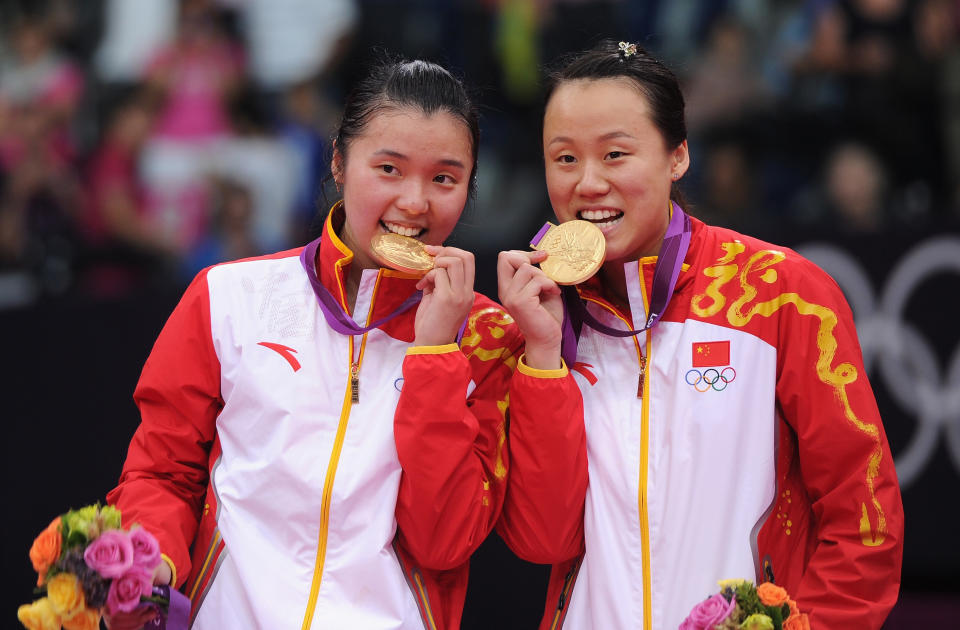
896	353
711	378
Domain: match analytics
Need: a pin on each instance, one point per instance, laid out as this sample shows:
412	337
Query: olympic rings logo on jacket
710	378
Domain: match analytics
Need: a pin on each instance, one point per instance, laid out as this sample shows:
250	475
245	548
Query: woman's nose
592	182
413	198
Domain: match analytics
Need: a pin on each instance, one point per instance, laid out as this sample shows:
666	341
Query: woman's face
607	163
406	173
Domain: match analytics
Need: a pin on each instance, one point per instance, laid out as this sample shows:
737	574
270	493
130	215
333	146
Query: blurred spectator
123	246
195	77
723	88
39	93
890	89
133	33
292	41
938	41
304	124
254	155
852	196
231	231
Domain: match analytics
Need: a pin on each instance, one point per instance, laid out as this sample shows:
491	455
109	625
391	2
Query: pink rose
125	591
146	550
111	554
708	613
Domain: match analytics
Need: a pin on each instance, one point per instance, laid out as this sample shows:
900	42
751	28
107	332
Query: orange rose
38	616
794	609
65	594
86	619
797	622
772	595
45	550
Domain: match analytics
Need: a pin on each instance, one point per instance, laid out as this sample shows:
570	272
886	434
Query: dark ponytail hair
419	84
653	80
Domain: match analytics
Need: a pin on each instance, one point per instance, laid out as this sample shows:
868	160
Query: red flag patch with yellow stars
711	353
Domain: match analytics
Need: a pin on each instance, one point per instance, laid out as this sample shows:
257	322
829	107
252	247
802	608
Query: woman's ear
337	166
681	160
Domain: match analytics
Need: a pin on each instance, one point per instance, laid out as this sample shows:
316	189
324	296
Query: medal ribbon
177	615
673	250
336	317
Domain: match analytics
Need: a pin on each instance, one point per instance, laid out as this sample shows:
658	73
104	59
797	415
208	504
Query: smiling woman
729	430
290	479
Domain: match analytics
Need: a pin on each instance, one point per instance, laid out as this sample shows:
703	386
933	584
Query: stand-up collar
333	266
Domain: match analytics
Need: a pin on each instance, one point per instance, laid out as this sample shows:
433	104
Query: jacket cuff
445	348
559	372
173	570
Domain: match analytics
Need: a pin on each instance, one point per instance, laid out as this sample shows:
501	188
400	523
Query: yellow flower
86	619
757	622
732	583
65	595
38	616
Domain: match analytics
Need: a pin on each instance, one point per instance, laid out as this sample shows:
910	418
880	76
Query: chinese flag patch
711	353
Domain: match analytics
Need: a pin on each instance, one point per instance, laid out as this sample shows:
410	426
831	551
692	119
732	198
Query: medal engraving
401	253
576	251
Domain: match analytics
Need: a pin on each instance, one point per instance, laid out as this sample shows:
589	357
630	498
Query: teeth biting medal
576	249
402	253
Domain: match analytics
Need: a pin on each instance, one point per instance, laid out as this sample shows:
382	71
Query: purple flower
709	613
111	554
125	591
146	550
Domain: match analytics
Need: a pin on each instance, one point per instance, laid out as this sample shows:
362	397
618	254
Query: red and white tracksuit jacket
279	500
739	438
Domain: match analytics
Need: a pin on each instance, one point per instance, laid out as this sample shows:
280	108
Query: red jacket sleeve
855	543
165	475
542	518
452	447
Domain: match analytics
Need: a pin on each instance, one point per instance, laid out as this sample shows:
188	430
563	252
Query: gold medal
402	253
576	250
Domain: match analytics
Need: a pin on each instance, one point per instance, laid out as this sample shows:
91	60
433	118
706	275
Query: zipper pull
643	373
354	383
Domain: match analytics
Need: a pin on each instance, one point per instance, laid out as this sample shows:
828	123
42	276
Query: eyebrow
401	156
607	136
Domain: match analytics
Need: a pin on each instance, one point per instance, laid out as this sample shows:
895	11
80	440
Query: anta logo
284	351
583	370
711	366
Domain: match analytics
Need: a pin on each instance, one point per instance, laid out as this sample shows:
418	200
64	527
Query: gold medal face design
576	251
402	253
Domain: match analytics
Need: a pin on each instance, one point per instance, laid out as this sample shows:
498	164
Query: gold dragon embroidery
743	309
493	319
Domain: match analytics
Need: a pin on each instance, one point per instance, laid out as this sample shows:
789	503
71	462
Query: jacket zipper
351	395
562	601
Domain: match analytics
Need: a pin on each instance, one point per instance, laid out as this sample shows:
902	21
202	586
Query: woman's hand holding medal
447	296
447	284
534	301
567	254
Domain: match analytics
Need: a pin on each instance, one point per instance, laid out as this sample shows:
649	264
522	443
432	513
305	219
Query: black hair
420	84
657	83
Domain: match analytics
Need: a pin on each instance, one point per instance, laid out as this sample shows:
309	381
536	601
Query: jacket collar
333	265
595	290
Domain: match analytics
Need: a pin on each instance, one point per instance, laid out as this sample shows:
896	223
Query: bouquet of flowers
741	605
86	561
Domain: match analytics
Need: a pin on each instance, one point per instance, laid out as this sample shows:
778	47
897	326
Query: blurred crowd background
142	140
